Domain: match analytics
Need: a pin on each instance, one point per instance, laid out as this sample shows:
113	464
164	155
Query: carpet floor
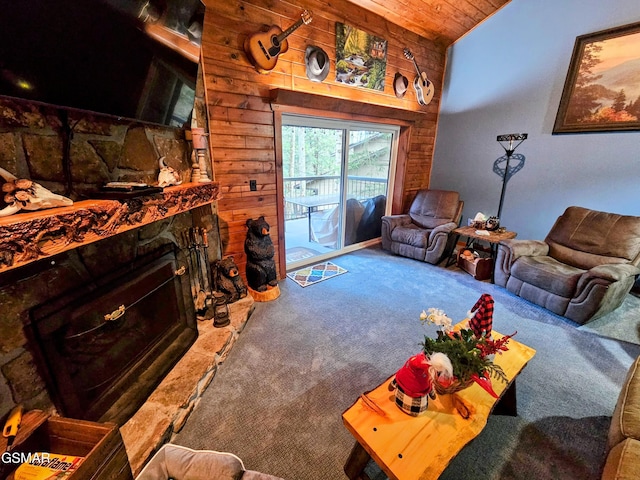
303	359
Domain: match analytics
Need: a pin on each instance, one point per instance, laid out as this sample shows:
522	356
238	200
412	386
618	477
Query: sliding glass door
336	182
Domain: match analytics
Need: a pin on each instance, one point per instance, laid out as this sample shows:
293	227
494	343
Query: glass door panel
336	178
367	180
312	165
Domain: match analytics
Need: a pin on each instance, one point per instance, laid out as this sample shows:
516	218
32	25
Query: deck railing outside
360	188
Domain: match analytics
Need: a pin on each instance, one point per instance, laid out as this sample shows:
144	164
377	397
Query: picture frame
601	91
361	58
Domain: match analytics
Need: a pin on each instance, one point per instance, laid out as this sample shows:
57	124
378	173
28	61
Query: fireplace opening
103	350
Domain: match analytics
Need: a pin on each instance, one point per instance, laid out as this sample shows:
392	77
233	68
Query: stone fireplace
58	352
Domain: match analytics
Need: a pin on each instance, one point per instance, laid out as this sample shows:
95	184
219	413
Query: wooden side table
470	232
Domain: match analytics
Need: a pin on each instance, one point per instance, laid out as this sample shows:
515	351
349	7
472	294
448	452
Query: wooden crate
480	268
99	443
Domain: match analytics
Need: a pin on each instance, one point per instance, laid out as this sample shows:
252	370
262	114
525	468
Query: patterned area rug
316	273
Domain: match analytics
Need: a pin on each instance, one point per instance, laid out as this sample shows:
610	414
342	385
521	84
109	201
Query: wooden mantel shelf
30	236
291	98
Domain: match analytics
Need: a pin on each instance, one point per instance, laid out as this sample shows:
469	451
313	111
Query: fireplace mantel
27	237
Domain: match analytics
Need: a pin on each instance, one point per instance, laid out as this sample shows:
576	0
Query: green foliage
465	352
314	151
310	151
342	66
376	75
634	108
620	101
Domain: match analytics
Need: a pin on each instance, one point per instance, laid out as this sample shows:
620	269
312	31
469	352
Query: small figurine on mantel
25	194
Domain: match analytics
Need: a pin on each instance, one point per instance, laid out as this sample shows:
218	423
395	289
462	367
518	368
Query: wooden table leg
449	254
358	459
508	405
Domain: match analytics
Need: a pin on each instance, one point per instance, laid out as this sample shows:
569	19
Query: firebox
103	350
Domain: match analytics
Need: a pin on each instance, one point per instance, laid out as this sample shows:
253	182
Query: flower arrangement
470	351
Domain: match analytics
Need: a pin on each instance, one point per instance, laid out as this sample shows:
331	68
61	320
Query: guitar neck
415	64
290	30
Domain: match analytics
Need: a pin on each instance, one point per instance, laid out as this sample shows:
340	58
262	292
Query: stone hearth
168	407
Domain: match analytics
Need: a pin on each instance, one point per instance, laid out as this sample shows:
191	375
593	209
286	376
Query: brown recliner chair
423	233
582	270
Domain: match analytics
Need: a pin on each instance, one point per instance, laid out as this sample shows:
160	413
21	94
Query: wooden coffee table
420	448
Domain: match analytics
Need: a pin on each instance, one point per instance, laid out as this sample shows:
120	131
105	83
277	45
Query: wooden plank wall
241	121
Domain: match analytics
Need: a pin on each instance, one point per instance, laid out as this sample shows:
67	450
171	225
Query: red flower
489	346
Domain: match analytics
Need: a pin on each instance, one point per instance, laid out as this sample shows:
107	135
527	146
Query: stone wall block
139	153
6	399
44	156
11	332
8	152
86	165
108	255
22	375
19	114
86	122
179	225
110	151
176	156
152	230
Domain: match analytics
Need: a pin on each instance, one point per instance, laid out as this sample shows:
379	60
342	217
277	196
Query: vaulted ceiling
443	21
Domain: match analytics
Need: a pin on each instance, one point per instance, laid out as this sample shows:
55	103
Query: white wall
507	76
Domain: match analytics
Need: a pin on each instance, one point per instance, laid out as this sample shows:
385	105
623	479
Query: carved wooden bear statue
229	281
261	268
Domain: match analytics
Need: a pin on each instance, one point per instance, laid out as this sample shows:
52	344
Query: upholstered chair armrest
443	229
509	251
178	462
393	221
524	248
389	224
611	272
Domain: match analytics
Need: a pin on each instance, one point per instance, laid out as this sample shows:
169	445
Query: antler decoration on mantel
25	194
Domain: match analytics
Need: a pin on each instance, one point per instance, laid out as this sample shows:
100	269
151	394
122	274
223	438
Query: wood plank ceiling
442	21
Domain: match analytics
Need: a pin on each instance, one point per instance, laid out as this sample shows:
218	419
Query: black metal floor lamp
509	149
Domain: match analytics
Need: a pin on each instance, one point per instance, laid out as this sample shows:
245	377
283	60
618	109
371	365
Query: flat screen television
96	55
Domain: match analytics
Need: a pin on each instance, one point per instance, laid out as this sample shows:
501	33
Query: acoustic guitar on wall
421	84
263	48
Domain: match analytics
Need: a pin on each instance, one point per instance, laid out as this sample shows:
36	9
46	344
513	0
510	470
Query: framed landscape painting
602	89
361	58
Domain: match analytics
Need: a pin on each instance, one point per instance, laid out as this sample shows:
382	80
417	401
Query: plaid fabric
482	320
414	406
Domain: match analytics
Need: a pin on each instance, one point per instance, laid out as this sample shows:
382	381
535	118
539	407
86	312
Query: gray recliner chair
582	270
423	233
